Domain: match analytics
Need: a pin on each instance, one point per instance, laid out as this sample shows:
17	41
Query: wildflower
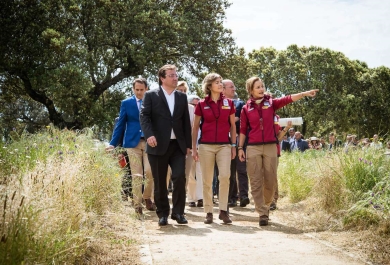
360	159
48	127
372	194
50	146
16	150
60	152
28	156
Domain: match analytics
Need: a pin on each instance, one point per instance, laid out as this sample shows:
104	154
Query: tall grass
54	185
352	190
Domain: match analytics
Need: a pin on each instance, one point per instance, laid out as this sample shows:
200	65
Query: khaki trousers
276	195
137	157
195	183
208	155
262	169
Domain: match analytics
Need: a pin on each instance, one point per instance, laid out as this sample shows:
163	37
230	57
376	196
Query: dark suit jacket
128	126
285	145
302	145
156	120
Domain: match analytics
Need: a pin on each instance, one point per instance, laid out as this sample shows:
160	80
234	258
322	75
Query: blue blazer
128	124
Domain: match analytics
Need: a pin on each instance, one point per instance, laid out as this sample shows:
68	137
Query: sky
360	29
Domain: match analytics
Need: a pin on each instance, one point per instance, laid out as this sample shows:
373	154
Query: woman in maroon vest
215	116
258	116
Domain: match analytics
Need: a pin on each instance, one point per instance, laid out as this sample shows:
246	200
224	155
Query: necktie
139	108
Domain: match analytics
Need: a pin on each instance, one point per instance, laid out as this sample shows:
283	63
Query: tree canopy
352	97
70	56
69	62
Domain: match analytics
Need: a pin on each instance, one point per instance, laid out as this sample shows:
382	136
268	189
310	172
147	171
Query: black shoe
192	204
232	203
272	207
163	221
180	219
244	201
200	203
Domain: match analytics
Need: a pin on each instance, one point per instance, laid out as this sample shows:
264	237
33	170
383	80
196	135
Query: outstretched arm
309	93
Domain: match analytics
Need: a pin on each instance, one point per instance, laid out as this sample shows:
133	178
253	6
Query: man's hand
110	148
152	141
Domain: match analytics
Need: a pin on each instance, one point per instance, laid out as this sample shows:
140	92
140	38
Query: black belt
142	138
173	140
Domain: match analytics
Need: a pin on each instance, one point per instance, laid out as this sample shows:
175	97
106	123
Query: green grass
54	186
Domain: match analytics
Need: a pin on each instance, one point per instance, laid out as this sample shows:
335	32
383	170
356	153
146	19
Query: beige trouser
136	156
276	195
262	167
195	183
208	155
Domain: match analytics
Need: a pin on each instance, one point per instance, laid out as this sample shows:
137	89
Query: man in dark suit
128	128
165	122
298	144
285	144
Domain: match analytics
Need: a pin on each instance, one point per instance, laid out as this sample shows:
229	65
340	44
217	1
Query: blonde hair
207	81
251	82
183	84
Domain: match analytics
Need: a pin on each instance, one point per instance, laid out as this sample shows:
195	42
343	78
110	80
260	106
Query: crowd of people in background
215	146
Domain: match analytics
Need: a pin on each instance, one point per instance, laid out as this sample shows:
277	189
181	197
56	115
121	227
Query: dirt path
243	242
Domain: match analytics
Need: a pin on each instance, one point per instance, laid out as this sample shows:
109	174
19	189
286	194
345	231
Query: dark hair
140	80
162	71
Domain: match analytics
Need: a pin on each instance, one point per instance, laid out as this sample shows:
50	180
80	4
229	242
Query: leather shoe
209	218
180	219
272	207
192	204
200	203
138	210
244	201
163	221
224	216
150	205
232	203
263	220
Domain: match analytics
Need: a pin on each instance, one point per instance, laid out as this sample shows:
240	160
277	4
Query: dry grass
63	204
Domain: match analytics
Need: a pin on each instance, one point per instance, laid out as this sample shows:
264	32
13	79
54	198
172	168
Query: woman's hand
241	155
234	152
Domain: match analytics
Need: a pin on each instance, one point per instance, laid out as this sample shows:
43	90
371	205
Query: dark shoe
163	221
180	219
272	207
232	203
150	205
192	204
244	201
263	220
138	210
200	203
224	216
209	218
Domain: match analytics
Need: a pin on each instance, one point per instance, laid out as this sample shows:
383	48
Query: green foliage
363	174
296	176
54	186
73	57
